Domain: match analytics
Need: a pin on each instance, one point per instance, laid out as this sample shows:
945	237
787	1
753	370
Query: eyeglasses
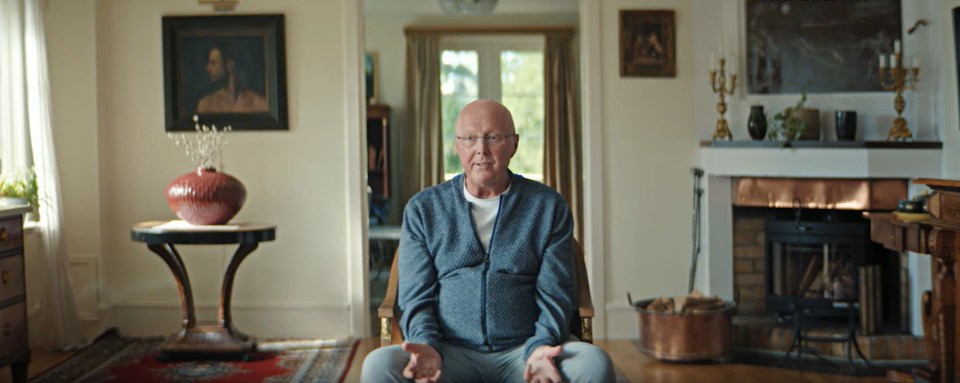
491	139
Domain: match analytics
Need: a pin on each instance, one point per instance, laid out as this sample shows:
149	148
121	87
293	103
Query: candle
713	60
883	61
893	61
720	38
916	61
896	46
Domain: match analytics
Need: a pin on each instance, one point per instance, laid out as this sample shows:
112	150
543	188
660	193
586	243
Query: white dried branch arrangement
206	148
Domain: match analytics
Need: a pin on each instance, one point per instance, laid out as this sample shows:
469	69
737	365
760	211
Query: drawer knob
7	329
5	277
3	234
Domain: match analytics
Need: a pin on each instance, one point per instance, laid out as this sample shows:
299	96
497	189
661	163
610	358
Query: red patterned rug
115	358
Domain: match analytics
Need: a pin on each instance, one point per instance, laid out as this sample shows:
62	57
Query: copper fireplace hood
819	193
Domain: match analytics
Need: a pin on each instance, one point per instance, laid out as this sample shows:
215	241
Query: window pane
458	87
521	77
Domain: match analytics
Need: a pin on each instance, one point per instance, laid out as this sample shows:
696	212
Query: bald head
485	111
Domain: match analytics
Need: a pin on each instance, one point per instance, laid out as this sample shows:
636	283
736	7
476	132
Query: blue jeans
579	362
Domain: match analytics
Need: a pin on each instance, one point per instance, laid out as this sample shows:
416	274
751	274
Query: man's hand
424	366
540	366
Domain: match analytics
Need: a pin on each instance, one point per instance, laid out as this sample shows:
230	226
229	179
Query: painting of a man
230	93
227	70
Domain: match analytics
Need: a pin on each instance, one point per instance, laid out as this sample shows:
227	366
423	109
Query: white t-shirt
484	213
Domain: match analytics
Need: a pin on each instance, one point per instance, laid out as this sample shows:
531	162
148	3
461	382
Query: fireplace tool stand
808	318
697	193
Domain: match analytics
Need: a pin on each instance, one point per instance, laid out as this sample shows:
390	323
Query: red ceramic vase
206	197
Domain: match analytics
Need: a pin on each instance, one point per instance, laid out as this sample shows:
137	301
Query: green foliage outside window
521	78
22	184
521	86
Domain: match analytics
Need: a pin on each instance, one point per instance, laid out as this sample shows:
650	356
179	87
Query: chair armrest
390	328
388	306
586	302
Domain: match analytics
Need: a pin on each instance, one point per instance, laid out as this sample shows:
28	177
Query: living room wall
115	159
107	80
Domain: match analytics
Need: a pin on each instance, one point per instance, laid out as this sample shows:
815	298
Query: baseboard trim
259	320
622	321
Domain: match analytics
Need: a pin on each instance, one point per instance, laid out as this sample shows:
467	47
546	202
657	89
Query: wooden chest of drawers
14	346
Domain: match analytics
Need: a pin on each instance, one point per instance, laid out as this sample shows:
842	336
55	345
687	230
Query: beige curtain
562	165
422	146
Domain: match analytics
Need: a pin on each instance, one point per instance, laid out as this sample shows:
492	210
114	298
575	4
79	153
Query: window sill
30	227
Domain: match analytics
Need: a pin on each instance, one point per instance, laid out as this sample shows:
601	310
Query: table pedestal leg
203	342
226	293
169	254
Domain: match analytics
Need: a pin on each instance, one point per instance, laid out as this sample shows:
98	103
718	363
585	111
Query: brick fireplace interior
808	240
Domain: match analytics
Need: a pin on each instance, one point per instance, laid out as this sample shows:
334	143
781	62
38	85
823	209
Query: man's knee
584	362
384	364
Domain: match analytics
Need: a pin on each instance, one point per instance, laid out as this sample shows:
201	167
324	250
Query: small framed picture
370	78
648	43
228	70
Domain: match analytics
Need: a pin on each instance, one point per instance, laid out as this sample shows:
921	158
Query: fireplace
732	263
816	252
813	259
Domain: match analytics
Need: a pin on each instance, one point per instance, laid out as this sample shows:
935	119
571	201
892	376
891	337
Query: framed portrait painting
227	70
648	43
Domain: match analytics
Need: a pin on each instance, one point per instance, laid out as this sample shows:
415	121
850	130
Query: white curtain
26	138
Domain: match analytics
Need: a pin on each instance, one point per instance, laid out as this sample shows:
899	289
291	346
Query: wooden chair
581	324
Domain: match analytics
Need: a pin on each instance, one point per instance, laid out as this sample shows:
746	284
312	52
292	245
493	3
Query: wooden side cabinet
939	237
14	345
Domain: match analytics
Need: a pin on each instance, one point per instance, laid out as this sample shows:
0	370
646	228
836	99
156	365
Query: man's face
216	68
483	162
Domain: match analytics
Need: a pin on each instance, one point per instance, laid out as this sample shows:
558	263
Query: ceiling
430	7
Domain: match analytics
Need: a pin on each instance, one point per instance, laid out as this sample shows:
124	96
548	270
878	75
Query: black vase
757	123
846	125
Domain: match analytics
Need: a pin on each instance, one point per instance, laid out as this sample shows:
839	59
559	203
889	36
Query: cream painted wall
71	33
947	113
647	135
121	156
113	148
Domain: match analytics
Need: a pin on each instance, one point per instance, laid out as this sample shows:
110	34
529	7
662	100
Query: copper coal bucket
688	336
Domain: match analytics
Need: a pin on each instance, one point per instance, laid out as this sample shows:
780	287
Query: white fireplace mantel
883	161
723	161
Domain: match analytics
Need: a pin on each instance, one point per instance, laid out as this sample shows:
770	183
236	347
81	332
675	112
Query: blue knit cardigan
520	292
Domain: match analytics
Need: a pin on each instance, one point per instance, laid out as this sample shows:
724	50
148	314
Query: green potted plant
21	188
797	122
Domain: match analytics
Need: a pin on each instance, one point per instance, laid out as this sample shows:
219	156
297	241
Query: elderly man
487	274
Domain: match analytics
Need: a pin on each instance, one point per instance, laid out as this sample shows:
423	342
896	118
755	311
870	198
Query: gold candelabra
722	132
895	78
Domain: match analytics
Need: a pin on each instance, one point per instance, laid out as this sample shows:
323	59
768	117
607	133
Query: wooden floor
637	367
634	365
